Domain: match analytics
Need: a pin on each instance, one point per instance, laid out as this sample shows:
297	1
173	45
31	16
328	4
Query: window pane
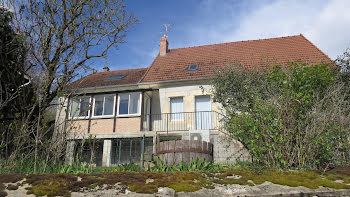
176	108
98	109
123	104
109	104
134	103
74	110
84	106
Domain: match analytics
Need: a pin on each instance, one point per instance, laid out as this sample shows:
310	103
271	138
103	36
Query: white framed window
129	104
79	107
103	105
177	109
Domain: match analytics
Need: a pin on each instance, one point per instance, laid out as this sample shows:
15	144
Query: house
125	110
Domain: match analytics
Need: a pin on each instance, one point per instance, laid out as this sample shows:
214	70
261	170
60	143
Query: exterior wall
130	124
77	126
100	126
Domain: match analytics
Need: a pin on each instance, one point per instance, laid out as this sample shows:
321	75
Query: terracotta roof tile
132	76
255	53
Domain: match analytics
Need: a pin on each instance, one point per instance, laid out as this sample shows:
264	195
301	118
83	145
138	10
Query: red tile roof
255	53
251	54
132	76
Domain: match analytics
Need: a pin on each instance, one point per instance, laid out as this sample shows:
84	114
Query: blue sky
198	22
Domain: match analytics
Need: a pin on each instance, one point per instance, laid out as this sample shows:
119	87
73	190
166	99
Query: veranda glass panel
98	110
74	111
124	104
109	105
84	106
134	103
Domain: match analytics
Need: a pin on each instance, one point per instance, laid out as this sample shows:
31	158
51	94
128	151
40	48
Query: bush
295	117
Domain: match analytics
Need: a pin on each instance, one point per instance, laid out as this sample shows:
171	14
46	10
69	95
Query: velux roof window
192	67
113	77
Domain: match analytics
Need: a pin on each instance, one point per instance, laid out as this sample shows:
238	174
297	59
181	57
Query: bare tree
64	35
62	38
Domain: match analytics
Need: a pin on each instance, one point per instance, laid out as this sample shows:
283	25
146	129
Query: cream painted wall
188	92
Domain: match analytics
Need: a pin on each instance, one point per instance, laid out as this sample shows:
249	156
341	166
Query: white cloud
325	23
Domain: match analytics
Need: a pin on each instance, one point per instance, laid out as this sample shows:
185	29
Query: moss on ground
51	184
149	182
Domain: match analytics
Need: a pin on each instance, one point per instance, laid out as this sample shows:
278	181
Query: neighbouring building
125	110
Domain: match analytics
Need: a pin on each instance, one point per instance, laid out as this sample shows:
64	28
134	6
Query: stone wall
228	150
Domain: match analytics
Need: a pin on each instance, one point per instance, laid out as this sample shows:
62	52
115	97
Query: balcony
184	121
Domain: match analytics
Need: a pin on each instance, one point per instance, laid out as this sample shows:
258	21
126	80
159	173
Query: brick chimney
163	49
105	69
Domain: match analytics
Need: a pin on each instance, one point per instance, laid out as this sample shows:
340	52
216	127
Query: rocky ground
233	182
265	189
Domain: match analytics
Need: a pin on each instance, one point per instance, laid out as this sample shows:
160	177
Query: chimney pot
163	49
105	69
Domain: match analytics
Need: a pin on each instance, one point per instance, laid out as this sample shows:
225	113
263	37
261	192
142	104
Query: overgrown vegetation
288	117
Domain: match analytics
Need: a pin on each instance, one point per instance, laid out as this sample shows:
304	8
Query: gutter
136	86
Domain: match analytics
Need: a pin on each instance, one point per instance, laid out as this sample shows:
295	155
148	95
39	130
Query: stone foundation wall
228	150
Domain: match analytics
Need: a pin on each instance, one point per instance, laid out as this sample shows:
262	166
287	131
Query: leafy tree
12	70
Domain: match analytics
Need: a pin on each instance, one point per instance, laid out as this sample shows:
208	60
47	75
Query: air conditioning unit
195	136
202	135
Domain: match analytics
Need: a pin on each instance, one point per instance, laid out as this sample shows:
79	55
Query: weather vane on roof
167	29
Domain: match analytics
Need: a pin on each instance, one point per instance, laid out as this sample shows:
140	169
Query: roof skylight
192	67
113	77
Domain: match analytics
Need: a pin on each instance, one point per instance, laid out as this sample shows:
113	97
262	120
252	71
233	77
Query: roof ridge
120	70
239	41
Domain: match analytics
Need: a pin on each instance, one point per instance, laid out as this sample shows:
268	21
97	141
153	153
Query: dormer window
113	77
192	67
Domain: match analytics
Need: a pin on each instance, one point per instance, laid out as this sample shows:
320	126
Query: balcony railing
184	121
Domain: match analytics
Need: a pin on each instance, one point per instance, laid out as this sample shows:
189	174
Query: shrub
293	117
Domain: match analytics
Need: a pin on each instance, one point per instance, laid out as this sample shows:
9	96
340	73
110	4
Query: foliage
75	168
287	117
26	166
129	167
197	164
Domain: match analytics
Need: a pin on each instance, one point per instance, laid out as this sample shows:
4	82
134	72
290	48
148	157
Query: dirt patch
8	178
